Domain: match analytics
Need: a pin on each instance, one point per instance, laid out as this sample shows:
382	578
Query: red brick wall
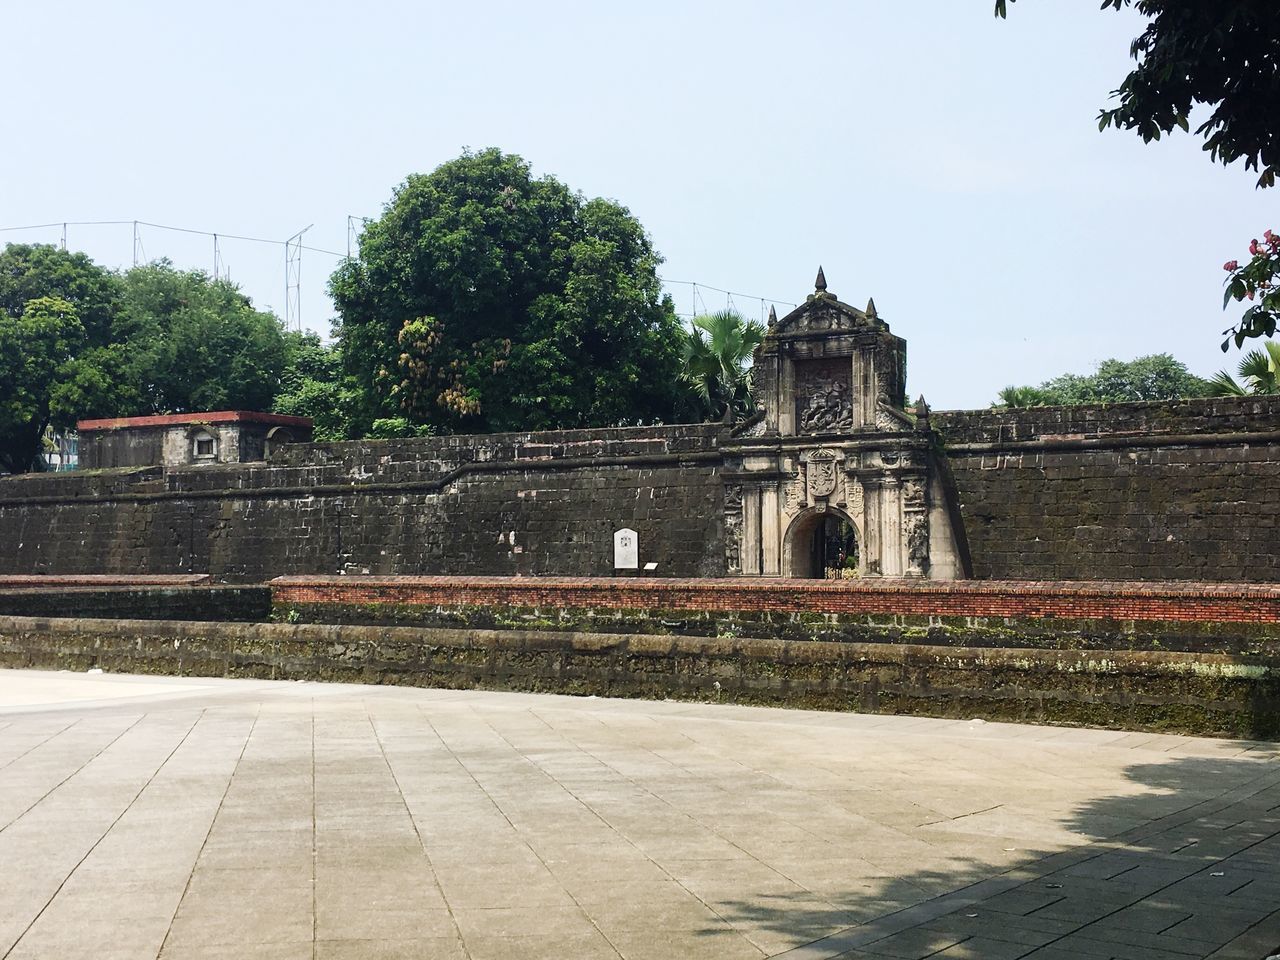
1072	600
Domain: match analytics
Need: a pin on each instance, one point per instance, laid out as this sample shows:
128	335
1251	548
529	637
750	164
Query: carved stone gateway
835	477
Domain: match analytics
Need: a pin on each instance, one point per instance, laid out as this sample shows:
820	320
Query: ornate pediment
821	312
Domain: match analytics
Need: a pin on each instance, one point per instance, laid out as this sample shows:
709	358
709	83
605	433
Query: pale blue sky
926	154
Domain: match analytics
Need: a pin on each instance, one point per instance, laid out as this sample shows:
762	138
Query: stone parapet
1172	601
1148	690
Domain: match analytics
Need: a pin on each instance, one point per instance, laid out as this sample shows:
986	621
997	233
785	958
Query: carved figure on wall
733	528
793	495
830	408
913	492
822	474
918	541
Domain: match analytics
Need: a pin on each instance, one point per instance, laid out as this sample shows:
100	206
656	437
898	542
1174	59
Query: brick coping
103	580
745	585
179	419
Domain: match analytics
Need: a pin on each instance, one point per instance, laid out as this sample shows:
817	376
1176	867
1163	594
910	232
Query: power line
164	226
293	247
697	287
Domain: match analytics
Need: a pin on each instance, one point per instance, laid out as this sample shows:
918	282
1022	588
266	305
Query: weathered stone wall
503	504
1098	616
202	602
1157	491
1143	491
1156	690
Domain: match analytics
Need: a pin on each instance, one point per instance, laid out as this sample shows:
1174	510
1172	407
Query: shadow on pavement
1179	867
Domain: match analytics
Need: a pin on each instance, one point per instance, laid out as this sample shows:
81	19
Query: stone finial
922	413
820	284
773	317
871	308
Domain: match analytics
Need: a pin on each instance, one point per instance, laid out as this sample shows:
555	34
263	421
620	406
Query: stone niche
833	477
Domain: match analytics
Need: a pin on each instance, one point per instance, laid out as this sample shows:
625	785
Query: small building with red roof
224	436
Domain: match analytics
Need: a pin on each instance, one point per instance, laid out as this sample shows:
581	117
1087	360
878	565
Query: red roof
181	419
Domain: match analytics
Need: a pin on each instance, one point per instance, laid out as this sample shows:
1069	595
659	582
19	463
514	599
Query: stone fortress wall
507	504
1159	491
1184	491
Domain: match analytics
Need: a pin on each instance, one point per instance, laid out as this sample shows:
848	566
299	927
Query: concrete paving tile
522	922
914	944
141	937
406	918
239	951
619	915
1087	948
488	894
716	943
576	875
787	823
591	946
420	949
982	948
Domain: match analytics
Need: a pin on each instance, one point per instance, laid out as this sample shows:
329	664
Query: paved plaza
145	817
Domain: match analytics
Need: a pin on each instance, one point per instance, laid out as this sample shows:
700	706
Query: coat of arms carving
822	474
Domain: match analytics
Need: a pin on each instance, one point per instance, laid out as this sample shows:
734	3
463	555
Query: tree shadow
1186	862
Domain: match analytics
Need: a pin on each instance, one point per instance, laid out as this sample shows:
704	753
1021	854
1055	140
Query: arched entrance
822	545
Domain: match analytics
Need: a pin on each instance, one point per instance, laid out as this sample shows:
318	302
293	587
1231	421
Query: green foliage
32	271
198	344
485	299
1155	377
1025	397
313	385
717	362
1225	53
391	428
61	351
1259	370
1258	281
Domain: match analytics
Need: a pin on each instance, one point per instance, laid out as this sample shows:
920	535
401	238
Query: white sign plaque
626	549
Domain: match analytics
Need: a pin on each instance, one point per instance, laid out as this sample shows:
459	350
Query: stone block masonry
1193	693
1131	492
1203	602
143	601
1141	491
511	504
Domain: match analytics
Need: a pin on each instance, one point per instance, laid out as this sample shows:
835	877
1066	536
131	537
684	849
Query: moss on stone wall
1178	692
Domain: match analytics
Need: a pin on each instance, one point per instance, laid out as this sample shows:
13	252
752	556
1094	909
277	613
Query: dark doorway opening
823	546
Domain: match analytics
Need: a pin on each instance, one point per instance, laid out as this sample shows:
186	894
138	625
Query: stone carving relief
733	527
830	408
822	474
824	402
822	319
917	536
793	495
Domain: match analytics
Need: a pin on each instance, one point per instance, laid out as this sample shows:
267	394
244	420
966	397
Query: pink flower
1231	266
1267	236
1253	247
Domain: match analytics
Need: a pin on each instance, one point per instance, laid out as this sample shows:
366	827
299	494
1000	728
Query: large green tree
198	344
1224	54
1155	377
61	347
487	299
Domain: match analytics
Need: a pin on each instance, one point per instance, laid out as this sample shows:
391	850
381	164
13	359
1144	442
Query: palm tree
1023	397
717	361
1260	373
